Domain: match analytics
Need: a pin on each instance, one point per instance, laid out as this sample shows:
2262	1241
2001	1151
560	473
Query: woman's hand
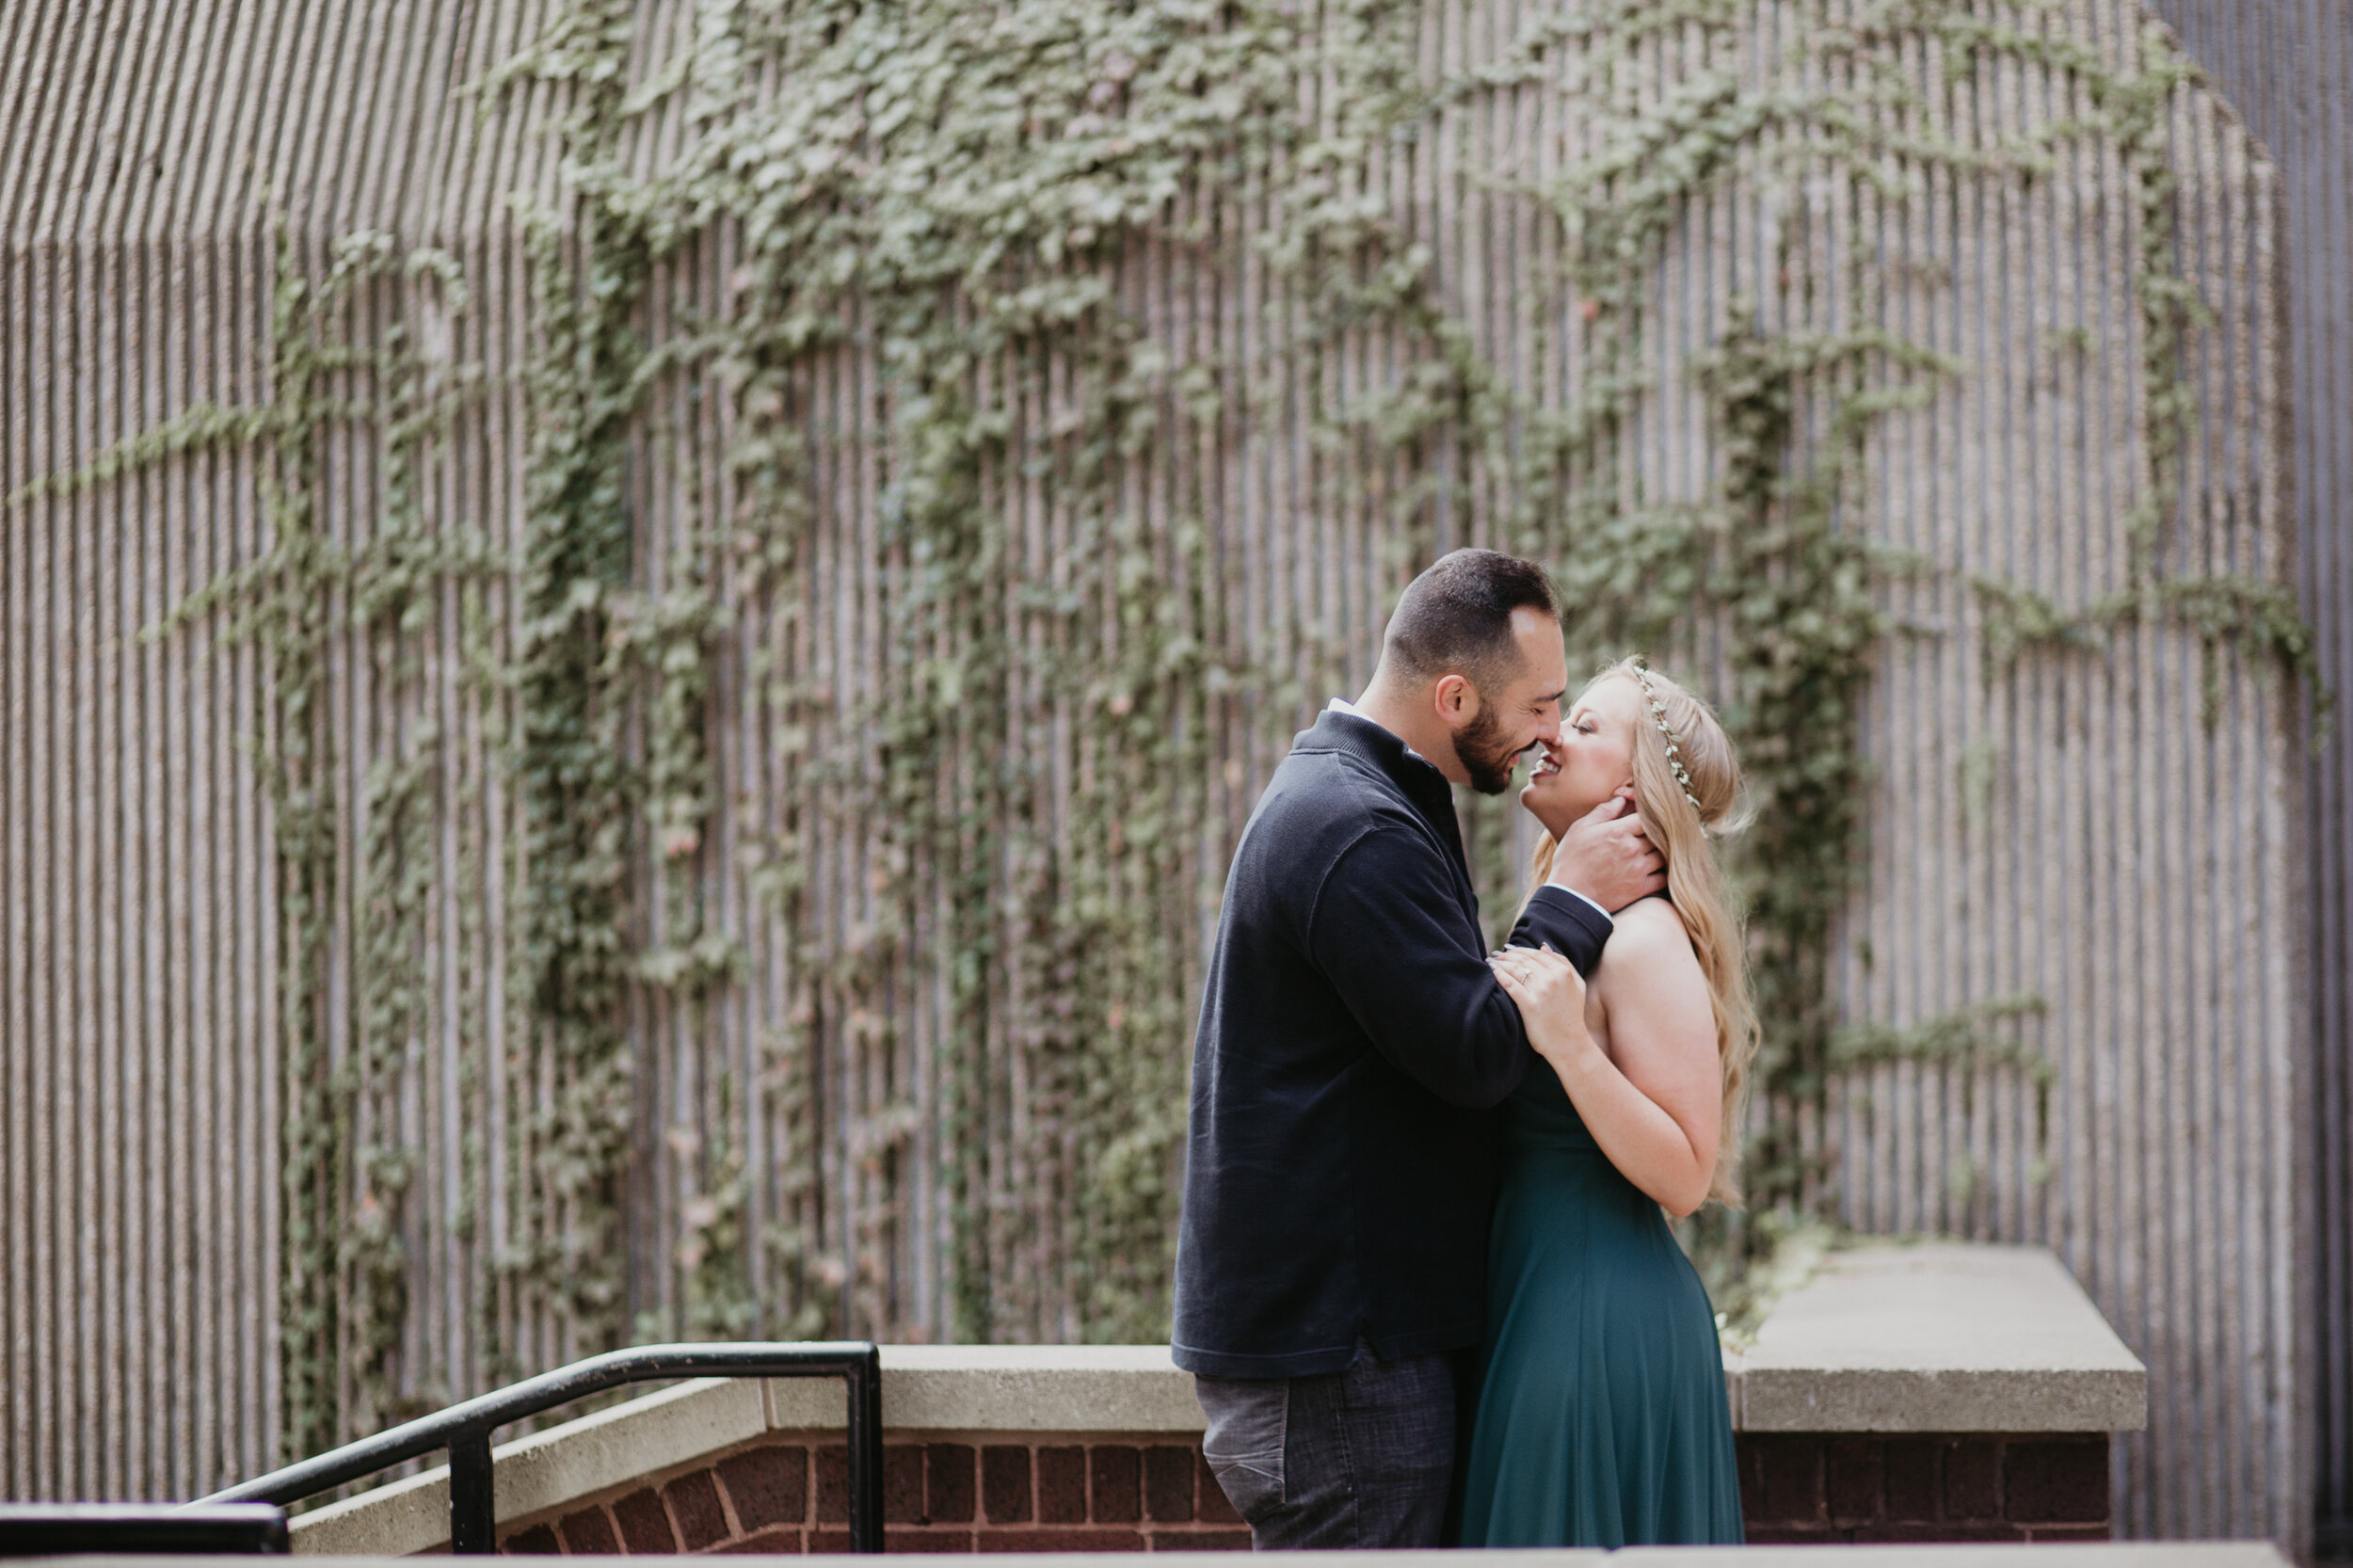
1550	995
1654	1101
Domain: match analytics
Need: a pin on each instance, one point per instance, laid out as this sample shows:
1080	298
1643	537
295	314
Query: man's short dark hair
1455	618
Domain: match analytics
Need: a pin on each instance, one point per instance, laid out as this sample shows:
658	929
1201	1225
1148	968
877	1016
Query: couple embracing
1424	1282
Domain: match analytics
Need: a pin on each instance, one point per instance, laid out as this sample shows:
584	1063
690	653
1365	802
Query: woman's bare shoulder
1653	919
1650	970
1649	933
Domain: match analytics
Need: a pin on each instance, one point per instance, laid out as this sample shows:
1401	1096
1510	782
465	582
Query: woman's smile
1591	759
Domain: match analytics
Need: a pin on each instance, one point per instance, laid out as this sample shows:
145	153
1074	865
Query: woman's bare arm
1654	1102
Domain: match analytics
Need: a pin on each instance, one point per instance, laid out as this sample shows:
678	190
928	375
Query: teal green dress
1602	1419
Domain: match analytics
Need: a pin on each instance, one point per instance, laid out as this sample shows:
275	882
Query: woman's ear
1626	792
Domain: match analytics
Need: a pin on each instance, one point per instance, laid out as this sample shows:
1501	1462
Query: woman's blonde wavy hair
1695	881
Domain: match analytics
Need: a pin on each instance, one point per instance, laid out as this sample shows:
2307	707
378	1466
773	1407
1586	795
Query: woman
1601	1418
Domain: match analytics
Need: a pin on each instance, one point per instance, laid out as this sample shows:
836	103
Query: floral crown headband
1674	744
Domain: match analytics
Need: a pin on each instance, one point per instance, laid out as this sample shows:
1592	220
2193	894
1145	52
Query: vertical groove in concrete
2282	65
2076	832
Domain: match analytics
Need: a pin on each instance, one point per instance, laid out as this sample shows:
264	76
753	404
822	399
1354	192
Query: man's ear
1457	701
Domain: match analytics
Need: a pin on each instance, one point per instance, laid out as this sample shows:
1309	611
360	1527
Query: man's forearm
1593	904
1575	926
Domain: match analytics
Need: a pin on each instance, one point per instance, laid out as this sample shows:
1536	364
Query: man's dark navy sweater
1354	1045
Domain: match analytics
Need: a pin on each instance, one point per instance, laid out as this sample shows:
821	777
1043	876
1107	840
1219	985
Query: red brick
768	1486
1854	1479
693	1501
590	1532
538	1541
948	1484
1006	1483
645	1526
833	1485
1749	1465
1987	1530
1113	1479
1060	1541
2056	1481
909	1539
1168	1484
1791	1470
1973	1473
1201	1540
927	1540
1210	1499
1062	1487
780	1539
2068	1532
1914	1482
902	1485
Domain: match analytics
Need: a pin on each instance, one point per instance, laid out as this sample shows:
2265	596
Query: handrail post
473	1518
866	1452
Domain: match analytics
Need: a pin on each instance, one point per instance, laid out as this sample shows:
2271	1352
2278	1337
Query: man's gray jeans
1355	1460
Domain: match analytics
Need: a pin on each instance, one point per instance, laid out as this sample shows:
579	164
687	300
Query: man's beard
1485	752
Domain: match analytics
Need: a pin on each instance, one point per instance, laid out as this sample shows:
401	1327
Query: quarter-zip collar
1418	778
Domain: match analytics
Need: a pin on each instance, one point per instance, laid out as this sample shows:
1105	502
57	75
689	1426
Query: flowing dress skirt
1602	1419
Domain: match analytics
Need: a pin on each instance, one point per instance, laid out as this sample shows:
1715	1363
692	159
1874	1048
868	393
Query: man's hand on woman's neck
1606	858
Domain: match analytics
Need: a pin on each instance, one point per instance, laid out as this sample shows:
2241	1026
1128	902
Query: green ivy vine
345	1169
1772	565
960	184
958	194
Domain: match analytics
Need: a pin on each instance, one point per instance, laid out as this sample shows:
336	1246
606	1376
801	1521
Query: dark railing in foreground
54	1529
465	1428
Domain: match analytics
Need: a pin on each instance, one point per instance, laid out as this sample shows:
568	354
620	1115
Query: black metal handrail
213	1529
465	1428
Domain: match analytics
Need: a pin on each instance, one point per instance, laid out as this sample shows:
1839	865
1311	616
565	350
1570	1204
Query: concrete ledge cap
658	1431
1122	1388
1939	1336
1127	1389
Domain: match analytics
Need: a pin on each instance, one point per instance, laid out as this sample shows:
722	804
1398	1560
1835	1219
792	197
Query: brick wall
1013	1494
1010	1494
1823	1487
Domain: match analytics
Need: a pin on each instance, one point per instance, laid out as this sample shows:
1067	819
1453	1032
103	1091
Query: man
1353	1045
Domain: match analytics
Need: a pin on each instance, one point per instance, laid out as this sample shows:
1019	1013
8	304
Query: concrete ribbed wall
140	1066
2286	66
2076	831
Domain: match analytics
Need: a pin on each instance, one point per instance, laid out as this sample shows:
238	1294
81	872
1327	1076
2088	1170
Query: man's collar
1341	705
1346	726
1392	755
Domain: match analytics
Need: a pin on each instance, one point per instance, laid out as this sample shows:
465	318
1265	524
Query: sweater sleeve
1387	930
1575	928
